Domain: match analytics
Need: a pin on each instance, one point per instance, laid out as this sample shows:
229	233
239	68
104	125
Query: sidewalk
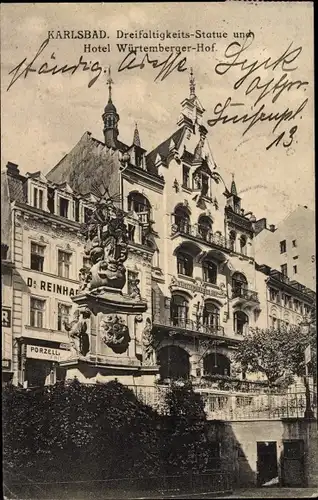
274	493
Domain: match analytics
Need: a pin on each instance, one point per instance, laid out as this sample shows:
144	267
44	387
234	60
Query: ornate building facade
191	258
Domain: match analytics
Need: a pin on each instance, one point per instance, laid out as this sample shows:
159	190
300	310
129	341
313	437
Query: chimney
12	168
272	228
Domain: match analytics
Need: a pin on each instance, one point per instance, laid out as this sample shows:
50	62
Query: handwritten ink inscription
166	67
259	87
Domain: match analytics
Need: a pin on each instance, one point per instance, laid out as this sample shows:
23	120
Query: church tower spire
136	139
110	117
233	186
192	84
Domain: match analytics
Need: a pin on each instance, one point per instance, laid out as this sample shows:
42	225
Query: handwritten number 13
286	144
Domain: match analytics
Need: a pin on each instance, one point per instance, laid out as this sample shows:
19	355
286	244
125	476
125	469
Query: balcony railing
246	294
201	234
190	325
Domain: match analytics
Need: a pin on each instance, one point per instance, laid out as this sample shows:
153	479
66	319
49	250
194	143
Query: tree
277	352
184	446
261	351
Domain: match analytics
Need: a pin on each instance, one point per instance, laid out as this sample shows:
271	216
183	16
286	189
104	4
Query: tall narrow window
37	308
185	264
63	316
205	185
210	272
282	246
38	198
211	315
232	238
295	269
239	285
179	310
64	264
182	219
185	176
283	269
204	227
240	322
243	245
37	257
64	207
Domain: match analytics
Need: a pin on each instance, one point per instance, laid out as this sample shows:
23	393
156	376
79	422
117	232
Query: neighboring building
6	314
48	255
290	247
287	301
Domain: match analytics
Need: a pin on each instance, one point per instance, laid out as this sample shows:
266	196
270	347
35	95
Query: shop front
40	362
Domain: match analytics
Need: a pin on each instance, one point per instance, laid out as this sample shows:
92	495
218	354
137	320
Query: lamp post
305	330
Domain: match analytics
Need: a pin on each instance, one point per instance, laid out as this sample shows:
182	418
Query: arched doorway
216	364
173	363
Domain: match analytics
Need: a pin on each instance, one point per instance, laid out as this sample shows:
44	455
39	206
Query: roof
163	149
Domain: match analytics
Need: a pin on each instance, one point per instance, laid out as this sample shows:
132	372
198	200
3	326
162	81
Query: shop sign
48	286
47	353
6	317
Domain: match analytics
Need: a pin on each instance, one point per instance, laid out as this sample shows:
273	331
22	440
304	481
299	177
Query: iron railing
190	325
201	234
246	294
238	406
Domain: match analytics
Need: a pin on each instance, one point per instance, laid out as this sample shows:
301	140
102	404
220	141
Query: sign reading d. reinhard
48	353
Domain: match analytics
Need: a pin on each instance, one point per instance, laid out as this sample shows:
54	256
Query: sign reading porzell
48	353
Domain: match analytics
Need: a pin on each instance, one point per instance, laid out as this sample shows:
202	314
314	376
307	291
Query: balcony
241	295
187	325
193	232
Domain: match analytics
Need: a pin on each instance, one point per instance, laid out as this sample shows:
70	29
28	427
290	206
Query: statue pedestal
112	318
110	301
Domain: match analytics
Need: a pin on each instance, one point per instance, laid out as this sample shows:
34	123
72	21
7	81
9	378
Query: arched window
216	364
173	363
155	258
179	310
239	285
243	245
204	226
240	323
139	203
210	272
184	264
182	219
211	314
232	238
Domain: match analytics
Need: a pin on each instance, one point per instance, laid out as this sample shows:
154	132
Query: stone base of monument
110	301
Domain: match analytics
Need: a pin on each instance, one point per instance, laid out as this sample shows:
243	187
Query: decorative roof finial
109	82
136	140
233	186
192	84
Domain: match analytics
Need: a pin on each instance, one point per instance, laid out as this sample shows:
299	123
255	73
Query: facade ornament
115	333
77	332
134	289
138	318
216	204
147	344
106	245
176	186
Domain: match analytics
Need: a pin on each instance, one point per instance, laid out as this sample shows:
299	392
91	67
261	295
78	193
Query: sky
44	116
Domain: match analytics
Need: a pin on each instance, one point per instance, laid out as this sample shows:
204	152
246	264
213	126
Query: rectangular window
295	269
63	316
38	198
185	176
37	308
274	295
282	245
131	232
283	269
64	264
185	264
294	243
205	185
64	207
37	257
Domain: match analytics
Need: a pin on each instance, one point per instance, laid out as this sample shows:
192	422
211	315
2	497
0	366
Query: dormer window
64	203
38	198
